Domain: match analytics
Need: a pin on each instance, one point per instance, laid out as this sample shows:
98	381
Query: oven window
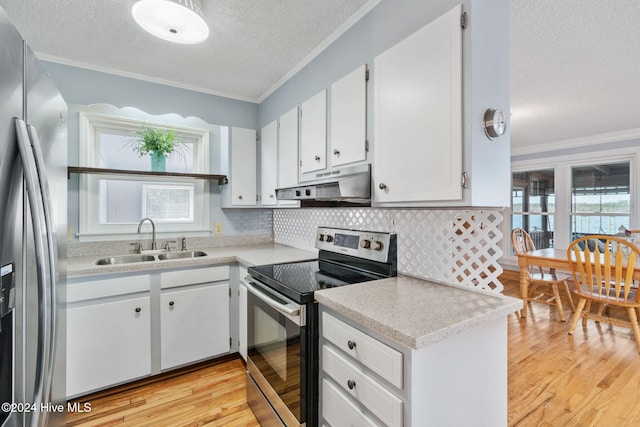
274	344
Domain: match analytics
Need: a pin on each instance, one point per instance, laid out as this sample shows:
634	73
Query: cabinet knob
336	153
272	196
240	197
351	344
317	158
351	384
171	303
138	309
382	186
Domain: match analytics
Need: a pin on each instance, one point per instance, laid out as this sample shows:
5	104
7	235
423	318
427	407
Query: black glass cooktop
299	280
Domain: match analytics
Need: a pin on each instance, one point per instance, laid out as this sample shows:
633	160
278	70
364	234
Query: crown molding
603	138
322	46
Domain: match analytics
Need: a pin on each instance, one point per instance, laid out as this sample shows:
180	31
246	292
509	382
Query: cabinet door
242	320
313	133
243	167
194	324
349	118
418	115
107	344
269	164
288	153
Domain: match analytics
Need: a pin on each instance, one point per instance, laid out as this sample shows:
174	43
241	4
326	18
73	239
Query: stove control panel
372	245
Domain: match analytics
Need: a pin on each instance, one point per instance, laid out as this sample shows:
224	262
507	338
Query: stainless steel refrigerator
33	211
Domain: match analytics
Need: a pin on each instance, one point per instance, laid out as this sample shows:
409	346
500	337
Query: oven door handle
290	309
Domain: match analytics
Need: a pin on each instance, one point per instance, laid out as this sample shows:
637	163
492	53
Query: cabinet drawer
92	288
172	279
363	388
379	357
339	411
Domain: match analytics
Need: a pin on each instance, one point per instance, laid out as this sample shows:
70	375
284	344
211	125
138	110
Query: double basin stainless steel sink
126	259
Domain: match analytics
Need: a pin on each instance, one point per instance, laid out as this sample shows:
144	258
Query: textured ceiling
575	64
251	46
575	69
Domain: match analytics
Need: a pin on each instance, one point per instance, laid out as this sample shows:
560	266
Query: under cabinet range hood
351	185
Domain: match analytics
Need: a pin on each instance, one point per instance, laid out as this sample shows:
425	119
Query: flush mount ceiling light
178	21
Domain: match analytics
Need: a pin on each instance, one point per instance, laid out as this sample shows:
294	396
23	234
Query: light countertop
415	312
248	255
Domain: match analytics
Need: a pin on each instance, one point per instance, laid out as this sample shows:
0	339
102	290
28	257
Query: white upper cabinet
428	140
288	153
349	118
313	133
269	164
288	149
241	161
418	115
279	158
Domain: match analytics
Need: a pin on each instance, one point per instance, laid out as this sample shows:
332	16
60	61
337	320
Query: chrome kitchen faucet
153	232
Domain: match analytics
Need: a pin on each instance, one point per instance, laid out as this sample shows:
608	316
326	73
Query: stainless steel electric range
282	320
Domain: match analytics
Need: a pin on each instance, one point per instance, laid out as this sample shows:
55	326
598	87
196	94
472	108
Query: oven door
276	343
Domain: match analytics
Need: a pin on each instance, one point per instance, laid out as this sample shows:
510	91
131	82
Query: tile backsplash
456	246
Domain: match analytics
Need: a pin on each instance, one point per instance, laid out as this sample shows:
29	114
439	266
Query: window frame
562	166
530	213
90	228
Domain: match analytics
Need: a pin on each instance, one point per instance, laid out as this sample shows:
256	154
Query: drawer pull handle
351	344
351	384
138	309
171	303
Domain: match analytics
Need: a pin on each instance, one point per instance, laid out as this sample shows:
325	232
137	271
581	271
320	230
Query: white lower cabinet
362	387
369	379
122	327
194	324
194	315
338	410
107	343
359	374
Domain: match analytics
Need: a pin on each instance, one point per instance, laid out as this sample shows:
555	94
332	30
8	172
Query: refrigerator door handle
39	232
52	252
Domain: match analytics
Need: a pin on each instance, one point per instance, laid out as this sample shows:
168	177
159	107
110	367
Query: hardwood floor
589	379
211	394
555	379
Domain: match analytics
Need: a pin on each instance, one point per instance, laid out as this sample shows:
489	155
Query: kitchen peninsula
414	352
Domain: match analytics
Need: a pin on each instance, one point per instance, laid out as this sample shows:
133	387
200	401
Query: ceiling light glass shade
178	21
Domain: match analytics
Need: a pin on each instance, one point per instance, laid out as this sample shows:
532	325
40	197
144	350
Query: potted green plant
158	143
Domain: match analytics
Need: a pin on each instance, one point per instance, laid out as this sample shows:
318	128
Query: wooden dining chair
543	286
603	268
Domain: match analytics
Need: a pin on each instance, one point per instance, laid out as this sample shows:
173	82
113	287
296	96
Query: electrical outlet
217	228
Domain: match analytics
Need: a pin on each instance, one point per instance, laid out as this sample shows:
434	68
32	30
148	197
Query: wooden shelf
222	179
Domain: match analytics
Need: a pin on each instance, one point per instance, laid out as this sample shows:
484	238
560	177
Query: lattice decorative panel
461	247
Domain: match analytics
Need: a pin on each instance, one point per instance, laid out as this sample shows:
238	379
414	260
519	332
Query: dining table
549	258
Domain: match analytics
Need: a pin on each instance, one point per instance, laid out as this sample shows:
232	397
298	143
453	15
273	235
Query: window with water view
595	200
533	204
600	199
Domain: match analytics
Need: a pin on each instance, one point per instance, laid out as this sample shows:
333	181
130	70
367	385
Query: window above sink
112	204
